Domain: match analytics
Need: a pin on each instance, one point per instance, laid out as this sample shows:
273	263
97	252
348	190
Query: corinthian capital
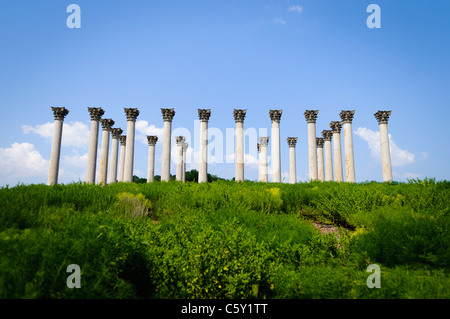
204	114
382	116
180	140
327	134
311	116
96	113
152	139
292	141
123	140
60	113
131	113
168	114
107	124
263	141
319	142
239	115
336	126
347	116
275	115
115	132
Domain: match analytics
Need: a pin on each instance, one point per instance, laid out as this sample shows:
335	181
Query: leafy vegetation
225	240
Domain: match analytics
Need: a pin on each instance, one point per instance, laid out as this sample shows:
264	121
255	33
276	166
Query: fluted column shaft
327	135
168	115
132	114
383	118
103	169
292	141
123	142
263	141
311	117
151	158
347	117
115	133
239	116
338	171
203	115
59	114
320	161
96	113
275	117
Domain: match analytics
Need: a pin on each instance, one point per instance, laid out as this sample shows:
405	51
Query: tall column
239	116
275	116
292	141
203	115
151	158
167	115
336	130
115	133
96	113
311	117
59	114
185	147
263	141
382	118
347	118
123	143
327	134
180	142
259	162
132	114
102	173
320	162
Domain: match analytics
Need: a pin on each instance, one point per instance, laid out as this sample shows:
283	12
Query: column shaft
132	114
92	152
385	153
339	174
151	164
165	168
203	156
276	154
328	161
102	173
55	154
239	153
320	164
123	140
114	155
349	159
312	151
292	166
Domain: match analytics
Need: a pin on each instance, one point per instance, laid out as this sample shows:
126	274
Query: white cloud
279	21
296	9
76	160
145	129
399	157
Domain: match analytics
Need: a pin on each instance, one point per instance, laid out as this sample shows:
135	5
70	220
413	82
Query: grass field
225	240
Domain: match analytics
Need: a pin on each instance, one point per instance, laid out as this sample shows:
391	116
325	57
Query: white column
347	117
96	113
59	114
320	162
132	114
383	118
239	116
203	115
311	117
167	115
259	162
292	141
115	133
185	147
338	172
263	141
275	116
327	134
123	142
151	158
180	142
103	169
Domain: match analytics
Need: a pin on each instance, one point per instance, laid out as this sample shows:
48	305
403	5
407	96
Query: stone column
382	118
259	162
96	113
103	169
115	133
59	114
151	158
185	147
263	141
203	115
320	162
132	114
180	142
167	115
347	118
327	134
292	141
123	142
311	117
239	116
336	130
275	116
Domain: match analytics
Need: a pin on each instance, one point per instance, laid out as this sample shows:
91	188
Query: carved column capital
311	116
204	114
167	114
123	140
60	113
180	140
115	132
327	134
263	141
239	115
152	139
96	113
336	126
347	116
319	142
292	141
131	113
275	115
382	116
107	124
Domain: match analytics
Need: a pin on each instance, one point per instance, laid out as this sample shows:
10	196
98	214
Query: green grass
225	240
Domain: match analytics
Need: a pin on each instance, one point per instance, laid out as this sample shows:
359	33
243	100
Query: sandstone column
115	133
180	142
292	141
151	158
311	117
336	130
239	116
185	147
383	118
123	142
132	114
59	114
167	115
320	162
327	134
203	115
275	116
263	141
96	113
347	118
103	169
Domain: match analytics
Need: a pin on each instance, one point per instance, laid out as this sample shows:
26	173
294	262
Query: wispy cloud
296	9
279	21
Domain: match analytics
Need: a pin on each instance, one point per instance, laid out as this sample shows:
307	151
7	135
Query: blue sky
252	54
